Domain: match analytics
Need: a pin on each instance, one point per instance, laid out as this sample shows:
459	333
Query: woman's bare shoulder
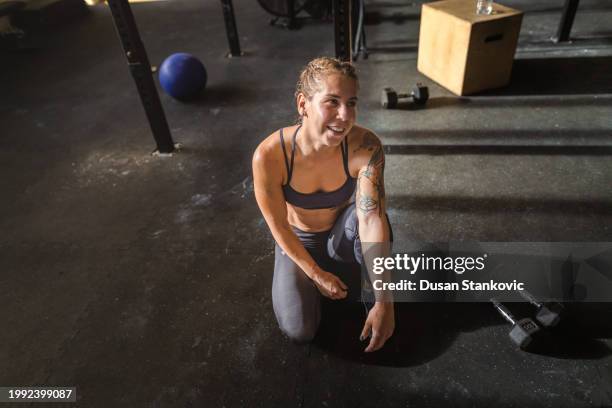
362	140
269	152
267	147
272	142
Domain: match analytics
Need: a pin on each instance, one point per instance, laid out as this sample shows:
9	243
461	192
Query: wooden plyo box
466	52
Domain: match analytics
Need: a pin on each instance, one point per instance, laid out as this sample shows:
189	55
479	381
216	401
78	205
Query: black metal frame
347	47
343	29
359	43
231	28
567	20
140	68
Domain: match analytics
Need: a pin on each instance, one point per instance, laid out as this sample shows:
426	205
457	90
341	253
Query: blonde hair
314	73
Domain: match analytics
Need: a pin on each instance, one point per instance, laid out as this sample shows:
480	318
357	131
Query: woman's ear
301	104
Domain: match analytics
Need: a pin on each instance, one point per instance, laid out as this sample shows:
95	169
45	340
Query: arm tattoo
367	204
369	143
374	173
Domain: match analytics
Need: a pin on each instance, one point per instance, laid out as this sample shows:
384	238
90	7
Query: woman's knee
295	299
300	333
344	243
299	321
343	236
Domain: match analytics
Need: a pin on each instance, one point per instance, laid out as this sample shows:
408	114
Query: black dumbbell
390	98
549	313
522	331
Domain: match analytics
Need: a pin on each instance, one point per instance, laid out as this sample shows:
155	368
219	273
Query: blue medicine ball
182	76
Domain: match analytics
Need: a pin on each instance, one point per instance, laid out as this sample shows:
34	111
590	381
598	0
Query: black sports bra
318	199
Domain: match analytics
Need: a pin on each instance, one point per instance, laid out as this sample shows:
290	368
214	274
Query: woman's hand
329	285
380	323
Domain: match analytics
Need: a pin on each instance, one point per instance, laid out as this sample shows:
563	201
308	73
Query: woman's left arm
370	194
374	233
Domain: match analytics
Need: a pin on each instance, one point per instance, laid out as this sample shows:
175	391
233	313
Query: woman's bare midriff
313	220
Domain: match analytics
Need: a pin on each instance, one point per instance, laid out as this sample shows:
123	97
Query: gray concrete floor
145	282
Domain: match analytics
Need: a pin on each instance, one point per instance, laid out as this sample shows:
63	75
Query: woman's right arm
267	182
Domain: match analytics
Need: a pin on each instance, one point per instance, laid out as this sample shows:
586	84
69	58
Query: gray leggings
295	298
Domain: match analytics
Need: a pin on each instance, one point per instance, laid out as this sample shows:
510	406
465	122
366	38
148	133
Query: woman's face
331	112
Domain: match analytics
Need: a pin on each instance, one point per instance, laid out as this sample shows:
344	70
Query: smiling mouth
336	130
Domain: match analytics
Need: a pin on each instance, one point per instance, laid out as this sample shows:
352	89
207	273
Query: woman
305	179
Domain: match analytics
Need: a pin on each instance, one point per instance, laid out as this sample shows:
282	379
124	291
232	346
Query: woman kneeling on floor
320	187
